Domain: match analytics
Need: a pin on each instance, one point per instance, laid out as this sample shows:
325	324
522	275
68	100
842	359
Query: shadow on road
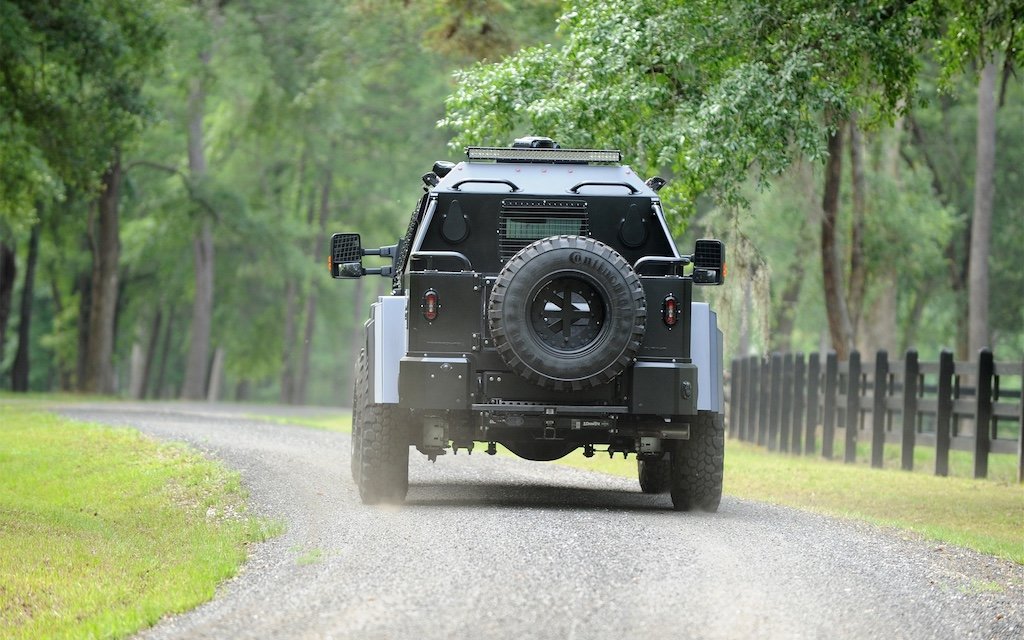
546	497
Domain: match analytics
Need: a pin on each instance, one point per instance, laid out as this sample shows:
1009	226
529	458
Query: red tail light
670	311
430	305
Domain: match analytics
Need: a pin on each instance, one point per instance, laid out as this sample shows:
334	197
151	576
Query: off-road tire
360	391
697	465
384	454
655	475
570	288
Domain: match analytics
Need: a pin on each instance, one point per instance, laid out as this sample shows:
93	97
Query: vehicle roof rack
545	155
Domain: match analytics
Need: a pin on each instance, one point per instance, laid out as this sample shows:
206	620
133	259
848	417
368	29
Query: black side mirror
346	260
709	262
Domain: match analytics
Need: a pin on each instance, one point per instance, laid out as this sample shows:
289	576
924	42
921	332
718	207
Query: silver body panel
390	341
706	353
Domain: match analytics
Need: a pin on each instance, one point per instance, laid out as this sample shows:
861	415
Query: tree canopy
715	88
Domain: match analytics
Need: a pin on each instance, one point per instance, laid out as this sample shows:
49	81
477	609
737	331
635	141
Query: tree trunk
143	351
959	245
785	314
151	346
302	371
83	285
64	373
320	238
913	321
106	253
197	361
858	268
288	357
165	349
981	223
216	375
345	380
832	273
136	364
743	348
8	271
878	329
20	369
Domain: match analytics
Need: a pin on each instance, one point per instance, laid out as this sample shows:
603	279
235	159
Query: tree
8	272
981	222
105	245
197	361
714	90
70	92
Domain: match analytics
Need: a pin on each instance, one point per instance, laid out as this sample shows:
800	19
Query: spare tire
567	313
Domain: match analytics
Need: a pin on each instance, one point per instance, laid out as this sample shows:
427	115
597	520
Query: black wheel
567	313
384	454
360	389
655	475
697	465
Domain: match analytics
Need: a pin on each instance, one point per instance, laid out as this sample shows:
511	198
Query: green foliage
975	32
705	89
69	92
106	531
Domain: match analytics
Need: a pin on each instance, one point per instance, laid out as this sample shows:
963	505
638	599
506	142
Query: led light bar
520	154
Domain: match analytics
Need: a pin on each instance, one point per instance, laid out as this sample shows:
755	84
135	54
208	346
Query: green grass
979	514
104	531
307	556
1001	467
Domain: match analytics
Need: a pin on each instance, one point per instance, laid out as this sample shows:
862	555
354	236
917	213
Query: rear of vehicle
540	303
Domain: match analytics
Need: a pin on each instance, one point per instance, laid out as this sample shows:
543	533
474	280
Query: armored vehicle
539	302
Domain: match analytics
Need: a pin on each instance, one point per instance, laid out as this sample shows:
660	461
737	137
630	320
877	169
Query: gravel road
495	547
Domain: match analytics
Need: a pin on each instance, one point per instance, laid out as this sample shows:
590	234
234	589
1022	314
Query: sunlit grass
985	515
103	530
1002	467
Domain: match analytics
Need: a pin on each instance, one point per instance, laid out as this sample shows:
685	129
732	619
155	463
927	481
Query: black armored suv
538	301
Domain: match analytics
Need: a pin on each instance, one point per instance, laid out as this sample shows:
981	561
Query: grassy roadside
985	515
104	531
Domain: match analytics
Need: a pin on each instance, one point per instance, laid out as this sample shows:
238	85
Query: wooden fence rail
783	401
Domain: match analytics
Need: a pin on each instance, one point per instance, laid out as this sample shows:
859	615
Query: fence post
762	412
813	383
878	410
741	399
787	402
983	412
752	391
828	427
945	411
798	402
911	375
1020	434
733	389
852	407
776	402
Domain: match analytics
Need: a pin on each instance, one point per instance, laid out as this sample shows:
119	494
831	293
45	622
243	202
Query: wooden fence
784	401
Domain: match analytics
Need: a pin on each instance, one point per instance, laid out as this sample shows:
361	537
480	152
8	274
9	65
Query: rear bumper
451	383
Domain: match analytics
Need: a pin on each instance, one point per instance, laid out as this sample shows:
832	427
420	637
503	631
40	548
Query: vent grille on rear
523	221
